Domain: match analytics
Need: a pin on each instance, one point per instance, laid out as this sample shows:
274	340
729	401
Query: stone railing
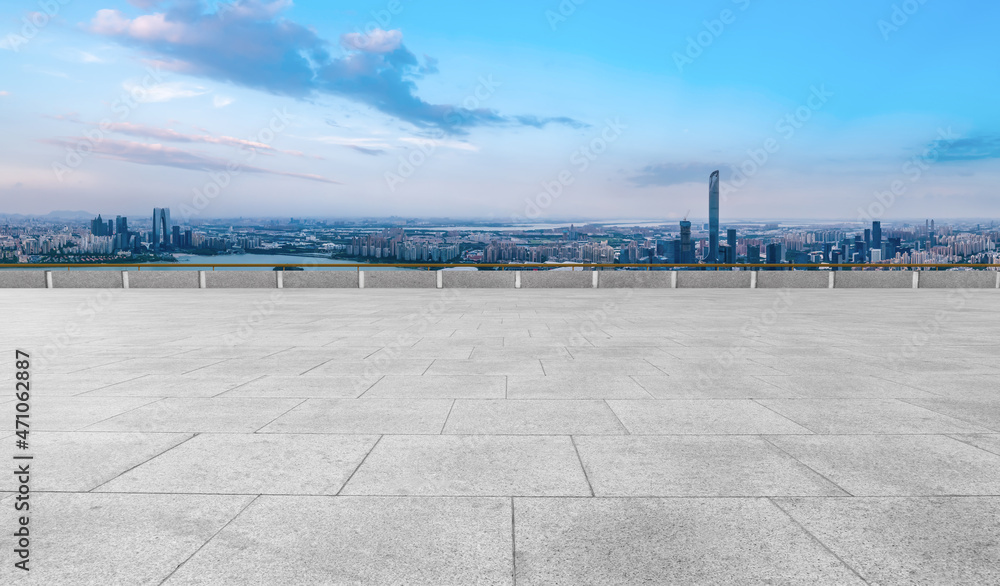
444	279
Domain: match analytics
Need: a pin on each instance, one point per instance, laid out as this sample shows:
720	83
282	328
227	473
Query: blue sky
841	109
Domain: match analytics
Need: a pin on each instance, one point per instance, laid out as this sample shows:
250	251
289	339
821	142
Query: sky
520	110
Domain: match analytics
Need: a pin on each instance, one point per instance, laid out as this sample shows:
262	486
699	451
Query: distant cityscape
395	240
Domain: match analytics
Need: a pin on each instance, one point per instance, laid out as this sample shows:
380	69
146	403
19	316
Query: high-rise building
774	255
876	235
753	254
731	238
687	249
175	236
161	228
713	217
98	227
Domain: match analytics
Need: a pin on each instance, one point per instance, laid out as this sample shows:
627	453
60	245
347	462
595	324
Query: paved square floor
506	437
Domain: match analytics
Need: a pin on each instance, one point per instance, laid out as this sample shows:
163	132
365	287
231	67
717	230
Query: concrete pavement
505	437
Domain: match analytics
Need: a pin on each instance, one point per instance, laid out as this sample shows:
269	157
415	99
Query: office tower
731	238
827	248
188	239
876	235
687	250
713	217
753	254
727	254
836	258
773	255
111	228
161	228
876	255
121	225
98	227
892	247
175	236
859	250
868	237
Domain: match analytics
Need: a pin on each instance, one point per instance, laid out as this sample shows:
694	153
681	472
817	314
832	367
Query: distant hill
56	215
69	215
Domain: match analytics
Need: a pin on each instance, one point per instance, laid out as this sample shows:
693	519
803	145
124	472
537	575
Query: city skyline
504	114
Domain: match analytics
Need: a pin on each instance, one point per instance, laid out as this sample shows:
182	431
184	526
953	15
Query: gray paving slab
360	540
78	462
702	416
471	465
364	416
254	464
73	413
821	385
717	466
532	417
574	387
374	366
46	384
904	541
220	414
557	367
477	367
434	386
988	442
171	386
115	539
712	384
304	386
867	416
897	465
666	541
984	412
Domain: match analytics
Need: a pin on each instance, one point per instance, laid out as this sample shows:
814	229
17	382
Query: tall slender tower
713	217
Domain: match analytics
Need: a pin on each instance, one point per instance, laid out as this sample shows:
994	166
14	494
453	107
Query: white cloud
377	41
163	92
221	101
448	144
3	93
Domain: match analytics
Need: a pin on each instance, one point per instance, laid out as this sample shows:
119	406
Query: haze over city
572	110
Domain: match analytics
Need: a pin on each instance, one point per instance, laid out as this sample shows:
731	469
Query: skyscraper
161	228
876	235
98	227
713	217
687	251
